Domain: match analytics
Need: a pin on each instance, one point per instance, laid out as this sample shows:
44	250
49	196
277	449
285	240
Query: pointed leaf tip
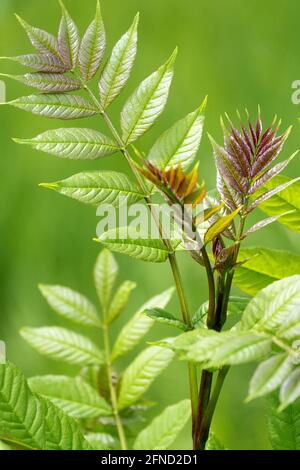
53	186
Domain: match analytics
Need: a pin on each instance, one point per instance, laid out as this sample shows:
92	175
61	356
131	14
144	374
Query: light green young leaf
43	41
68	39
264	267
95	188
72	143
92	47
62	106
275	309
140	374
283	427
4	446
120	300
105	274
161	316
118	68
71	305
269	375
62	431
63	345
145	249
163	430
101	441
73	395
147	102
21	413
139	325
179	145
287	201
46	82
290	389
220	225
40	62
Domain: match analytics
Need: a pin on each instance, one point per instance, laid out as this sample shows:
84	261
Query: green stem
112	389
192	371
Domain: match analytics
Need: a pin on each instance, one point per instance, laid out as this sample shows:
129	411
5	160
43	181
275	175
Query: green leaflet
61	106
283	427
40	62
105	274
3	446
290	389
21	412
118	68
120	300
68	39
63	345
275	309
140	374
179	145
71	305
139	325
92	47
145	249
95	188
264	267
43	41
62	431
161	316
147	102
269	375
220	225
73	143
74	396
163	430
213	443
46	82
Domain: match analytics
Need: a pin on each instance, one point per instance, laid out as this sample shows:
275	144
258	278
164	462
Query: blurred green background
239	53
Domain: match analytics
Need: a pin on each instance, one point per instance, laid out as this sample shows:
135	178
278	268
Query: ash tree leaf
220	225
63	345
47	63
275	309
161	316
262	224
120	300
4	446
179	145
21	413
140	374
269	375
271	192
95	188
105	274
72	143
92	47
286	202
290	389
145	249
101	441
73	395
264	267
164	429
147	102
62	431
70	305
119	66
283	427
61	106
139	325
47	82
68	39
43	41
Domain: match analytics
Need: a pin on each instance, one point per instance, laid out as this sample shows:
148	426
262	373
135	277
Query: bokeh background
239	53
